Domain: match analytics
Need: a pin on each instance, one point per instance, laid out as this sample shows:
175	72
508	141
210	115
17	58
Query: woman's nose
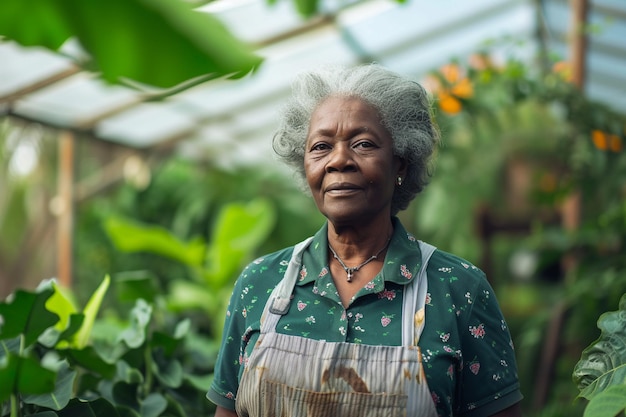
341	158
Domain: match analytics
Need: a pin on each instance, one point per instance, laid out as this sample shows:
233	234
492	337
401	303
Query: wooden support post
578	51
65	212
578	42
570	215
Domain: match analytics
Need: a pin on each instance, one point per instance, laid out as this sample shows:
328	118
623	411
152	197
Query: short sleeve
226	374
489	380
242	323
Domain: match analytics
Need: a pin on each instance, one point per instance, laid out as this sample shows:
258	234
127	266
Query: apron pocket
278	399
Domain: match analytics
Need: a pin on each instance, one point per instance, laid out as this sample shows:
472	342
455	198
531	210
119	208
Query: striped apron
292	376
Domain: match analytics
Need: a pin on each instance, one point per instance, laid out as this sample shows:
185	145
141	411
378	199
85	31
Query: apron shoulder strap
414	300
281	296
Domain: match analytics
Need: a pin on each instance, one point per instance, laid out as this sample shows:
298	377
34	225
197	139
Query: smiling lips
340	188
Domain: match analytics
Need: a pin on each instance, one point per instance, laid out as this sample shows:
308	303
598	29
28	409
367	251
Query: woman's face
349	162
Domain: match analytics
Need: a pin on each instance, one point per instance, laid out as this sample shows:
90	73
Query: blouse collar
402	261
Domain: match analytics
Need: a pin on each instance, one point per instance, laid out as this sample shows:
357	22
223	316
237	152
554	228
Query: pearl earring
399	180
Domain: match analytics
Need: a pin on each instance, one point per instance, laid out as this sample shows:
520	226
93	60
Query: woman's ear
402	167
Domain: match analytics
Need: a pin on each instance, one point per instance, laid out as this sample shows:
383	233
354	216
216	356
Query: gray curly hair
404	108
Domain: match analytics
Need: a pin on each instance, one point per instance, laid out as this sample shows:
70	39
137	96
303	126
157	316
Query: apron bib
292	376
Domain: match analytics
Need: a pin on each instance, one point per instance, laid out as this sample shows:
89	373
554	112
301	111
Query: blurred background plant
522	148
529	184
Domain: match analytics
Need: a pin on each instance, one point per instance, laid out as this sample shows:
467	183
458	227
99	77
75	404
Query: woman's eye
319	146
364	144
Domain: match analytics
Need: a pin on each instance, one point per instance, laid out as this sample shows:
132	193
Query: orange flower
606	141
449	104
564	70
451	73
615	143
455	85
480	61
463	89
599	139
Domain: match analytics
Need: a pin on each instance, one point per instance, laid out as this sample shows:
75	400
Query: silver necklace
351	270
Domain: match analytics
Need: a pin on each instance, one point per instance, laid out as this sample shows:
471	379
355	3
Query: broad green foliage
90	312
239	230
131	236
141	367
59	397
601	371
161	43
25	375
26	316
609	403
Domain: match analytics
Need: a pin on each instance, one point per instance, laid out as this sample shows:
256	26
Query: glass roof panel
75	102
24	67
223	115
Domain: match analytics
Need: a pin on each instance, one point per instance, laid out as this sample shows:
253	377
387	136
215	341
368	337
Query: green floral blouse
467	351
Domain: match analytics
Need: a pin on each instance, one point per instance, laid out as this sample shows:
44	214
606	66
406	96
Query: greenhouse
140	183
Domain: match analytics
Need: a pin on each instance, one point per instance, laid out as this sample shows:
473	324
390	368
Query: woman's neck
354	244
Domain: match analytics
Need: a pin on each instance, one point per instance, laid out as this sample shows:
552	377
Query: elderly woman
363	319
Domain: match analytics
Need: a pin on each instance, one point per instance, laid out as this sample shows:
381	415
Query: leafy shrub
57	361
601	371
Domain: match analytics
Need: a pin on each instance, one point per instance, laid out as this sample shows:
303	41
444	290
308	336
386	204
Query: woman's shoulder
278	258
451	270
269	265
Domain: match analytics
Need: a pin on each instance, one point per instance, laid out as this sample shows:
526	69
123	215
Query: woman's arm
513	411
223	412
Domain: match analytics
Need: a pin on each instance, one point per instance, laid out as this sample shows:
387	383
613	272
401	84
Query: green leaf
27	315
127	412
130	38
62	305
608	403
128	374
174	406
306	8
37	22
149	34
9	346
135	334
131	285
168	371
52	337
167	343
182	329
97	408
89	359
153	405
63	390
25	376
77	408
186	295
44	414
90	312
240	228
76	323
603	363
103	408
200	382
131	236
126	394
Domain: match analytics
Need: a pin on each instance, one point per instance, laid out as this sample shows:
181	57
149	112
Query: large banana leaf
131	236
161	43
239	230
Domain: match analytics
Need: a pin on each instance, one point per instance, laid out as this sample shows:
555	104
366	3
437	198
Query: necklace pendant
349	278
